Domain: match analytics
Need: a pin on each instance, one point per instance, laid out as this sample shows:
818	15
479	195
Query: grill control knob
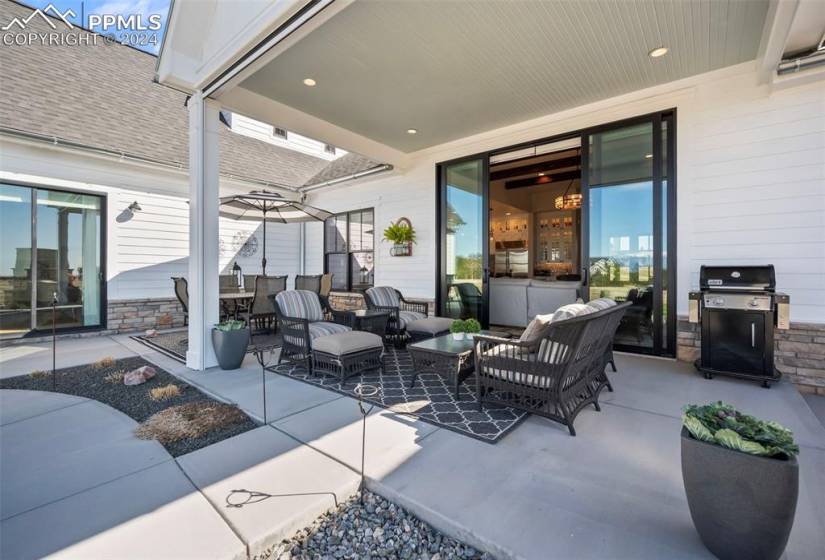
719	301
753	303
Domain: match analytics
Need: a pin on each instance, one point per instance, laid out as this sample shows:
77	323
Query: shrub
472	326
190	420
164	393
39	374
458	326
108	361
115	378
721	424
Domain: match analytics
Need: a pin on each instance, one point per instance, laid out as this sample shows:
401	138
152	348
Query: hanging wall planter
402	235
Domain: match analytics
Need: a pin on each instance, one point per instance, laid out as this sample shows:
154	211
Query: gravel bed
101	384
379	529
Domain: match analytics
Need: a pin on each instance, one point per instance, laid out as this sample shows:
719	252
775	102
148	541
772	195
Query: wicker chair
228	283
560	379
301	319
249	282
311	283
261	313
182	293
402	312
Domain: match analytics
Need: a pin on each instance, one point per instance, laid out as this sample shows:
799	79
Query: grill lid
748	278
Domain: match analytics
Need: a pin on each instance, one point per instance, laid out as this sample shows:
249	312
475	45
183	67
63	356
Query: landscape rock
139	375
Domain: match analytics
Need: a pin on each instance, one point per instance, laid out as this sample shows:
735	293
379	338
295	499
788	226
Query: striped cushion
384	296
301	304
407	317
536	328
325	328
601	303
552	352
572	310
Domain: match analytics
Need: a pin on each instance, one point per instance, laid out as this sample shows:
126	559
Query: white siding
750	172
147	248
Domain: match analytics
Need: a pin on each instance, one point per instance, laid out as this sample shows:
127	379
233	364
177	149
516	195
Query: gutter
810	60
371	171
124	156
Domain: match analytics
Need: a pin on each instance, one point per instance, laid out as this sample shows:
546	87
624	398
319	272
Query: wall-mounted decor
402	235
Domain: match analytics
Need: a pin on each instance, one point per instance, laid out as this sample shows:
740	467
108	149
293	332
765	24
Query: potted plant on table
741	479
472	326
457	328
230	340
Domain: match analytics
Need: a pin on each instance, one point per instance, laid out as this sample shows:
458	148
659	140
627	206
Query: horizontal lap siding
393	196
757	191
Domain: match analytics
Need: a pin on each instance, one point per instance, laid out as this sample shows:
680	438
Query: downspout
811	60
302	248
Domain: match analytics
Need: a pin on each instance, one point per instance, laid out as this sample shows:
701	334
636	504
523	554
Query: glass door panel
624	231
68	259
15	260
464	240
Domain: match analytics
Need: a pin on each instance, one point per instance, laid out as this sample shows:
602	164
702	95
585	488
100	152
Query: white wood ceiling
454	68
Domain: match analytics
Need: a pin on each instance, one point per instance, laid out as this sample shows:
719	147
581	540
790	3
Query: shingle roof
348	164
104	96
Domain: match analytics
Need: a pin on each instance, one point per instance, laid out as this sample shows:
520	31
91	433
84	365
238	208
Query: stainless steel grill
739	308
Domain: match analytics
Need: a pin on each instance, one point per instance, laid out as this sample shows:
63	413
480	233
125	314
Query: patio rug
176	343
431	399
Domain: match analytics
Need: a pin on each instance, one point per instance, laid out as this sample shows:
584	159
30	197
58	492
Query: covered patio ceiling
452	69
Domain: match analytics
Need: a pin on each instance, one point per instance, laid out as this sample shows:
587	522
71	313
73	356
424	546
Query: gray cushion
408	317
430	325
341	344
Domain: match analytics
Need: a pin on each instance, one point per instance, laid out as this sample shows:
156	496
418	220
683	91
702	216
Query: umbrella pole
263	258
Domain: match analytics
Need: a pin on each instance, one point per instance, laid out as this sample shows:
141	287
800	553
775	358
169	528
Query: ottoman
430	327
348	353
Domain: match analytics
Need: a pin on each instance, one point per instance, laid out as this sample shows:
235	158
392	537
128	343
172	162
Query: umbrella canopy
269	206
265	206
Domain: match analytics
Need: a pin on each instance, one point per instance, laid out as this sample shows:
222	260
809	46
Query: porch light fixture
309	82
412	131
657	52
568	201
135	207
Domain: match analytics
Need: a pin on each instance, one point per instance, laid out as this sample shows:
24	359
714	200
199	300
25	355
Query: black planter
230	347
742	505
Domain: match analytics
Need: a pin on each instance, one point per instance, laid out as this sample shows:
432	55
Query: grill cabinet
738	309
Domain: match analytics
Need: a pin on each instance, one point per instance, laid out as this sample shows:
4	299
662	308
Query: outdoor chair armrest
417	306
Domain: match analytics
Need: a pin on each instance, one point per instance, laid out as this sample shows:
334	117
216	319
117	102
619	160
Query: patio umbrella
266	207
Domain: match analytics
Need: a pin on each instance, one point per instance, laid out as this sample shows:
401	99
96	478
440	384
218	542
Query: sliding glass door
627	205
52	243
463	202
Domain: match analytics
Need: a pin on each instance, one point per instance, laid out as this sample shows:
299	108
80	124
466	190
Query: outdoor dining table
226	296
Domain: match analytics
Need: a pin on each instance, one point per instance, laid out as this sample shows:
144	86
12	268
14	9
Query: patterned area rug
176	343
432	399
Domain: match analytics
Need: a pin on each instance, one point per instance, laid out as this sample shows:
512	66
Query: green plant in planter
399	234
231	325
458	326
472	326
721	424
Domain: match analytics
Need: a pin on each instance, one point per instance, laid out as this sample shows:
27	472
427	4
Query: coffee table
444	356
368	320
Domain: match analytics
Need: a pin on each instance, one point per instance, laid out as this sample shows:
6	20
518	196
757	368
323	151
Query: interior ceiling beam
560	163
543	180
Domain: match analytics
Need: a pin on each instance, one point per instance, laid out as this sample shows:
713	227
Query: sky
146	40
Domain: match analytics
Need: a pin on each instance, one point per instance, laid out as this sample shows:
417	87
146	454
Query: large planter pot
230	347
742	505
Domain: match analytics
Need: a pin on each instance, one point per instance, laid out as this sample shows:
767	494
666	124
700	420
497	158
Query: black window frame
348	251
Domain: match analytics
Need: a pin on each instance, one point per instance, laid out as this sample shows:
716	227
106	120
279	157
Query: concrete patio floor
614	491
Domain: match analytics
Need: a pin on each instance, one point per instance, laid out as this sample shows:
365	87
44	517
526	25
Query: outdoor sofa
557	377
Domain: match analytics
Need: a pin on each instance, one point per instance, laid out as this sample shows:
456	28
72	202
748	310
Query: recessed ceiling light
648	156
657	52
309	82
541	173
507	213
412	131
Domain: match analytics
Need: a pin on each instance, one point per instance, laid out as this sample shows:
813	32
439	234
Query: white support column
204	130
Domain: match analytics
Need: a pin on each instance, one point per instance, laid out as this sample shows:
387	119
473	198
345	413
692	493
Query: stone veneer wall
799	352
141	314
354	300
